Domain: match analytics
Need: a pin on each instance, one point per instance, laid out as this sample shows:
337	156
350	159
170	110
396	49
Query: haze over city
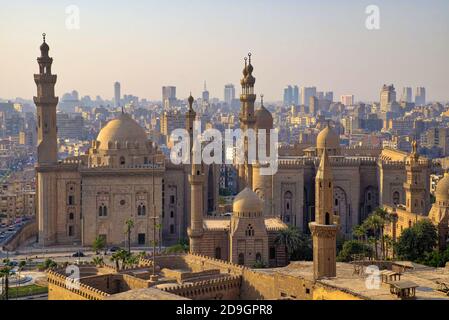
150	44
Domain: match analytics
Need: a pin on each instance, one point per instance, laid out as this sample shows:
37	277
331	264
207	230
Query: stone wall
27	232
62	288
226	288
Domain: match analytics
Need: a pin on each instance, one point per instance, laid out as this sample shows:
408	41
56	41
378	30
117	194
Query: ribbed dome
328	139
122	129
247	201
442	190
264	119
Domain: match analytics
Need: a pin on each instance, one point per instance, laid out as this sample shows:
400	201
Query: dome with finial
442	190
122	130
247	201
250	66
190	100
264	119
44	47
245	69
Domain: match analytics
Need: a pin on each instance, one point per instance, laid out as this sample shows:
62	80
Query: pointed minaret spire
261	100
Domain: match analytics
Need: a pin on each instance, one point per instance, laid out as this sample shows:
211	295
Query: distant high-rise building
117	94
168	96
229	94
288	95
205	94
295	96
291	95
347	99
306	93
387	98
329	96
313	105
407	95
420	96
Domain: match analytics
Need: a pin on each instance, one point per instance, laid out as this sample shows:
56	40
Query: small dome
122	129
247	201
328	139
442	190
264	119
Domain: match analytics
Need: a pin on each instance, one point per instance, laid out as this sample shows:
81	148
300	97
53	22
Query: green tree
98	261
115	258
351	248
180	247
298	245
417	241
129	225
5	273
98	244
374	224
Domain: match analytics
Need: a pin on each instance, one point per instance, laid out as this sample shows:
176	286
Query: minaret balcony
43	78
52	101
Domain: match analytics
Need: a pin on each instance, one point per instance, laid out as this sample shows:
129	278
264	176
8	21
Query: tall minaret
196	179
324	229
415	186
247	121
46	103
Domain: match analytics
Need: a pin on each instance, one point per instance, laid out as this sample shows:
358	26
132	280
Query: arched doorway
287	202
341	209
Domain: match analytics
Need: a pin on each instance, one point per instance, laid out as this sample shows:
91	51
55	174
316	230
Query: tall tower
196	179
415	186
117	94
47	158
46	103
324	229
247	121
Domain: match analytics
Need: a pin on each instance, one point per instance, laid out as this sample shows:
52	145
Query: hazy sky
148	44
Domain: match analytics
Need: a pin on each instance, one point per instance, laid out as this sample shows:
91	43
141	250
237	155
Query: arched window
71	216
141	210
249	231
396	197
241	259
258	257
122	161
328	219
218	253
102	211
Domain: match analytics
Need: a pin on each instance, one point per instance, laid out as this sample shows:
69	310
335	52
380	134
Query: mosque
125	176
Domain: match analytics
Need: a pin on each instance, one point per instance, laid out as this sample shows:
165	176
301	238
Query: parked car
114	249
78	254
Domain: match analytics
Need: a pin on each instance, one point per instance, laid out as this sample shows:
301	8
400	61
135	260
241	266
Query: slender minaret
190	119
324	229
415	186
47	158
46	103
196	179
247	121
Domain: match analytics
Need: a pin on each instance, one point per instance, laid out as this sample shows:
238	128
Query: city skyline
340	55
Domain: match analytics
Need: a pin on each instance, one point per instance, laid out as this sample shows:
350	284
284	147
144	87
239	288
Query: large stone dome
328	139
442	190
122	130
247	201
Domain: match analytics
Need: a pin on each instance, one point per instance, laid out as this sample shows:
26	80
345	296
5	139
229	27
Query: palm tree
20	268
98	261
98	244
374	223
115	258
6	272
359	232
290	238
129	224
